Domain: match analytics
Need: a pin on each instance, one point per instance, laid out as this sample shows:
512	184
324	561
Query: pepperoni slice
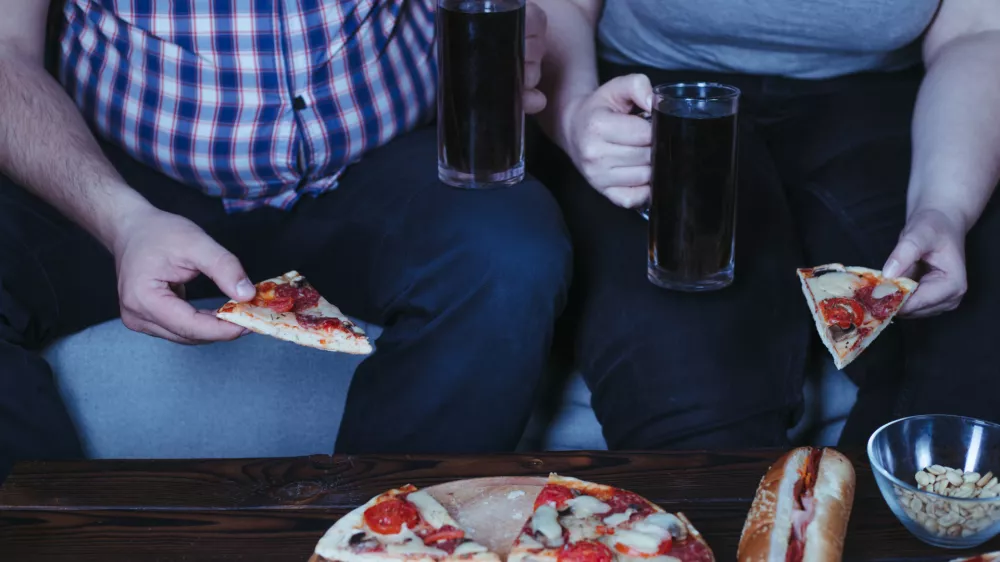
318	322
388	517
880	308
623	500
842	312
585	551
692	550
445	533
555	495
281	304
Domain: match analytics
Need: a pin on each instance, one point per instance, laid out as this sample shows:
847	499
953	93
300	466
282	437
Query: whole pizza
569	520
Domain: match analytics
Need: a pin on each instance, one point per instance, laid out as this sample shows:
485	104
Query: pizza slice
851	306
290	309
986	557
578	521
401	525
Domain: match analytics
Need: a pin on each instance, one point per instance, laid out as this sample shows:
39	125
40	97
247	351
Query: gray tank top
809	39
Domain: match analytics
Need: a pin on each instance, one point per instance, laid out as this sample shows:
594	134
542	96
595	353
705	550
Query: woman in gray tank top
827	174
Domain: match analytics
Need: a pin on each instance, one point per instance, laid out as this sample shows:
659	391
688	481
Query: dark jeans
823	175
468	285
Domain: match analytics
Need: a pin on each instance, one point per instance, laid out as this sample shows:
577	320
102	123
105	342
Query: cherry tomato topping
388	517
585	551
554	495
842	312
445	533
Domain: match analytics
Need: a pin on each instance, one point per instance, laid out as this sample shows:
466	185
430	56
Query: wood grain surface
276	509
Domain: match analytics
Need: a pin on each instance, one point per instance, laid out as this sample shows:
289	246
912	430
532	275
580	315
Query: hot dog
801	509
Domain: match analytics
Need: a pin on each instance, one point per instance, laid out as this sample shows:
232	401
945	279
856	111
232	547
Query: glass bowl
898	450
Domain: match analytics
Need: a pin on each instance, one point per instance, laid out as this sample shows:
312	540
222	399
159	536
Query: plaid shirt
253	101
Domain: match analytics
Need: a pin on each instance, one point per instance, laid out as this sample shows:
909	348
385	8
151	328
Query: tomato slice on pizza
290	309
851	306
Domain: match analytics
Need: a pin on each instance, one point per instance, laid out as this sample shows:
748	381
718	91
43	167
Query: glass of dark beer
480	83
692	215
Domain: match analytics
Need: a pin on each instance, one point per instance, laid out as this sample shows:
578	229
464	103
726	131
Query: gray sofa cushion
133	396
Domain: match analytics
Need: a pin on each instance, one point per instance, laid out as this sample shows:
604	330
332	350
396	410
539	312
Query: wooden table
276	509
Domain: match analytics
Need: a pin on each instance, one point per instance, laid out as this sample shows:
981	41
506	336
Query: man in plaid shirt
206	144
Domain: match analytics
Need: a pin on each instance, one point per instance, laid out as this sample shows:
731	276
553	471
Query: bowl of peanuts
940	475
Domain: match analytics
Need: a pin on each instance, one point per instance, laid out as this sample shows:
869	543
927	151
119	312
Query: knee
518	253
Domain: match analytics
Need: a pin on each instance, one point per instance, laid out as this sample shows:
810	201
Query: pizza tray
491	510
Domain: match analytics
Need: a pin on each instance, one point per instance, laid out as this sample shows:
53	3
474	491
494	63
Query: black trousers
468	285
823	174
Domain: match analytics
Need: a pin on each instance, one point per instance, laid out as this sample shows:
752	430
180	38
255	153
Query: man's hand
609	146
156	253
938	241
535	25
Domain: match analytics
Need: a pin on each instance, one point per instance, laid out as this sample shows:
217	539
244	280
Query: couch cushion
133	396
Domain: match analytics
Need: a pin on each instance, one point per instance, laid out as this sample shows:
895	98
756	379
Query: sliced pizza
290	309
578	521
401	525
851	306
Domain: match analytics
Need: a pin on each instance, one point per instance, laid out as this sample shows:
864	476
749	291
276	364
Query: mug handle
644	210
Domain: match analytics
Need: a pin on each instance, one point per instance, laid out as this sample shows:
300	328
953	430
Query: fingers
534	101
630	130
631	176
223	268
138	325
937	293
627	197
535	21
913	244
180	318
625	92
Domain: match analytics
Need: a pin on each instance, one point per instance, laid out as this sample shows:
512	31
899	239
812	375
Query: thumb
912	246
625	92
224	268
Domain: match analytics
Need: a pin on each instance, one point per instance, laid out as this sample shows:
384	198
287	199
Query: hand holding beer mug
692	214
481	47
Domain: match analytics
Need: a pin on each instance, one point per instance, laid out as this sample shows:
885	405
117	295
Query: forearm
956	130
46	147
569	70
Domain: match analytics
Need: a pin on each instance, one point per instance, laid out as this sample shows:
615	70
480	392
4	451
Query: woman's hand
936	239
609	146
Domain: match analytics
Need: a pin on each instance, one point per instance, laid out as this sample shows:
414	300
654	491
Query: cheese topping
639	540
580	528
884	289
674	526
529	542
469	548
834	284
432	512
616	519
585	506
546	522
